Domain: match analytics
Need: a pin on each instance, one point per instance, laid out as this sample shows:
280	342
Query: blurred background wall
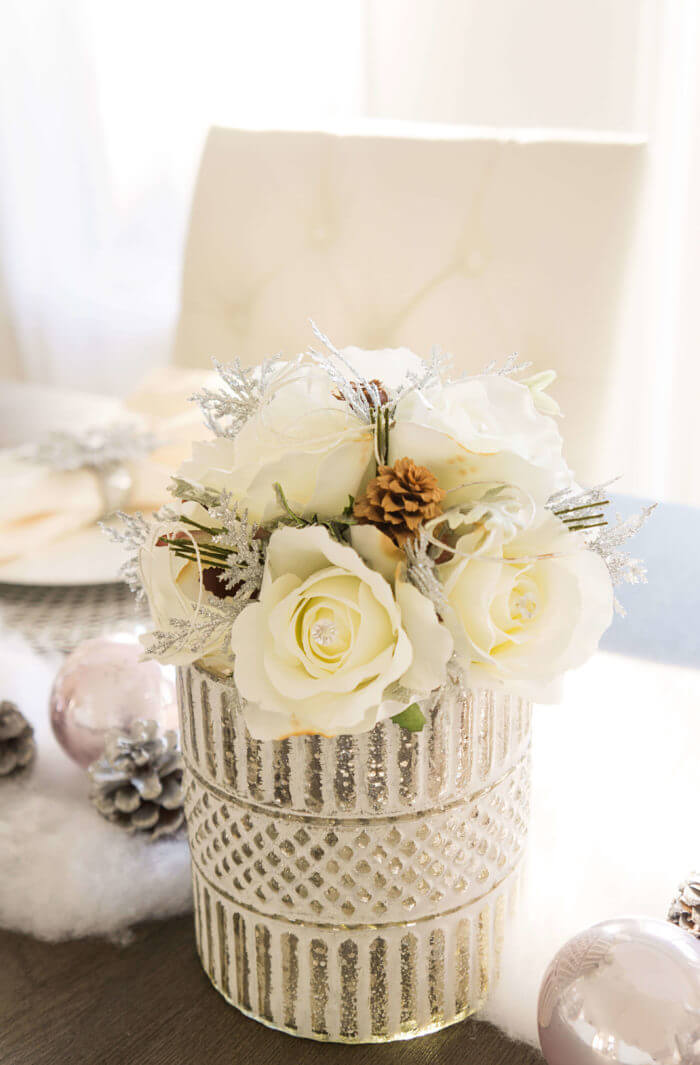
104	109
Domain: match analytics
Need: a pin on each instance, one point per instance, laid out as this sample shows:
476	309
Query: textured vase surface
355	889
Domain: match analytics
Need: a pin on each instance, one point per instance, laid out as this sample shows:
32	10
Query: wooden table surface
89	1002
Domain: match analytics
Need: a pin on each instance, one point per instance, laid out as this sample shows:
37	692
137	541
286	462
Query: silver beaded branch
98	448
132	533
209	627
421	571
581	511
510	366
364	396
227	409
436	371
361	395
244	568
622	567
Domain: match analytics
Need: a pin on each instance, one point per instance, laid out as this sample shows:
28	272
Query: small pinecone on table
399	499
137	782
685	908
17	746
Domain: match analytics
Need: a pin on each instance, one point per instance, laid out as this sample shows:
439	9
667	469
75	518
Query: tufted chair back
479	244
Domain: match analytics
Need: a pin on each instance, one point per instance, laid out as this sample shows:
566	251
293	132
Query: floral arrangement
363	529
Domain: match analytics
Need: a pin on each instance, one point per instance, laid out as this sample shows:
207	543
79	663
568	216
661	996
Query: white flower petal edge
531	611
174	592
482	429
303	437
320	650
432	642
377	550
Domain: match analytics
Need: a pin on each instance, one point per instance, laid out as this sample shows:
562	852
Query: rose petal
432	643
376	549
272	649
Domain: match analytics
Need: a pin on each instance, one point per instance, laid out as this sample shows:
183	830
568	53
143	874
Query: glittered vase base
370	985
355	889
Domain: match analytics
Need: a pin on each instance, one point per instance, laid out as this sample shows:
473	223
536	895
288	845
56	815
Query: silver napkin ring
115	483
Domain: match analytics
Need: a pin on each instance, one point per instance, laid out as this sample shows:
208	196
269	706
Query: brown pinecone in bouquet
685	908
400	499
137	783
17	746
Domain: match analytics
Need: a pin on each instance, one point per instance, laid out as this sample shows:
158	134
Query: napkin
40	506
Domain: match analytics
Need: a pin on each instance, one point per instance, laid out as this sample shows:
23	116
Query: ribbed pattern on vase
356	888
353	984
467	744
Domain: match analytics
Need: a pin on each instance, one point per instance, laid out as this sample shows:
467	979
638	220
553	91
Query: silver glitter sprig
622	531
227	409
132	532
580	510
372	401
436	371
422	573
622	567
193	636
244	568
98	448
187	492
510	366
580	497
361	395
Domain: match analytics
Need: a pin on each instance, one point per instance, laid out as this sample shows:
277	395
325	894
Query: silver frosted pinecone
685	908
17	746
137	782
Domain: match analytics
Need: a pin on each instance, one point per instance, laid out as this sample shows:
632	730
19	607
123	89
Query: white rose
303	437
175	593
327	639
482	429
530	611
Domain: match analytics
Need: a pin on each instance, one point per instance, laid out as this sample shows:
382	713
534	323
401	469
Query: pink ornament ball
105	684
624	992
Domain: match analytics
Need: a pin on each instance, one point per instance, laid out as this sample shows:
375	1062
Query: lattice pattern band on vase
355	889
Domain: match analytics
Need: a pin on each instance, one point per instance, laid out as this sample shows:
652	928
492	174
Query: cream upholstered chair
479	244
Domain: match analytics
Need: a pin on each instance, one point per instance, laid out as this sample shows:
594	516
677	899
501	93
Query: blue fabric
663	616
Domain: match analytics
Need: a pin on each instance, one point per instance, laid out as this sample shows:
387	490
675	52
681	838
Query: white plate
28	412
84	557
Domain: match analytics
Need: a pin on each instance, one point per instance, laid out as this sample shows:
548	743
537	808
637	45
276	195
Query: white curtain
659	364
104	107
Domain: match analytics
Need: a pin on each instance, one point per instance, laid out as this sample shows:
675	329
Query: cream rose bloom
303	437
482	429
320	650
174	591
531	610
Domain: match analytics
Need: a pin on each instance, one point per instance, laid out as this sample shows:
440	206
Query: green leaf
412	718
296	519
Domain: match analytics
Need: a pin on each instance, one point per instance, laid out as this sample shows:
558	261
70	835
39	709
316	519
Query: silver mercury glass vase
355	889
